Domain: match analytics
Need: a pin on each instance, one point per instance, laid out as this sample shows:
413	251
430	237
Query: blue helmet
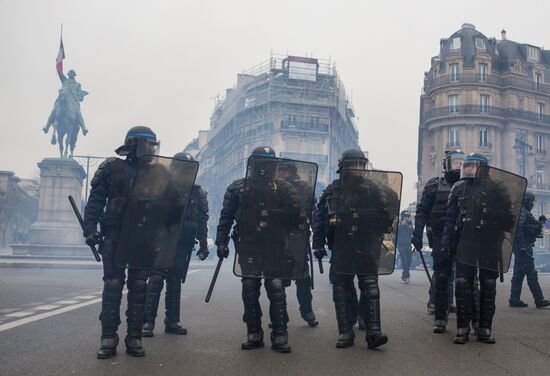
470	164
264	151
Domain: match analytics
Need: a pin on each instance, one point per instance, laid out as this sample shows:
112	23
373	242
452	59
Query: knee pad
369	287
462	287
488	288
138	286
275	289
113	284
251	289
155	283
441	280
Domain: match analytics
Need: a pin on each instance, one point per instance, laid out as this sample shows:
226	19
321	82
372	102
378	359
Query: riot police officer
464	205
275	288
343	284
529	229
288	171
194	227
110	189
430	212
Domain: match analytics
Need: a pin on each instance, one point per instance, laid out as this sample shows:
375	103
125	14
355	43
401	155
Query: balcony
486	79
484	111
303	126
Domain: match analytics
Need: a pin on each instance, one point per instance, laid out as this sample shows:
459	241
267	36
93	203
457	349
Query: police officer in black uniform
496	218
430	213
275	288
343	288
288	172
195	230
529	229
110	189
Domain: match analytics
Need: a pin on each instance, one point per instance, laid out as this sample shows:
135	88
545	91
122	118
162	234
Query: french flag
59	59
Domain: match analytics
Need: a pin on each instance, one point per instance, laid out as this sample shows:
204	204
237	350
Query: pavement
49	326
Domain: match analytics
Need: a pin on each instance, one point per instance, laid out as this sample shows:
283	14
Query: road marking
84	297
45	307
67	302
44	315
19	314
193	271
8	310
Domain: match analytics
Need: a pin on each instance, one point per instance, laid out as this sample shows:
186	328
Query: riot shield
154	214
273	229
365	225
490	215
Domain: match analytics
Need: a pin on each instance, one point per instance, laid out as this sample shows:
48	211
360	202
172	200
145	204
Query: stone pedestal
57	231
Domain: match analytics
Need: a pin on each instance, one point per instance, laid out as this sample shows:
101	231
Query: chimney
503	33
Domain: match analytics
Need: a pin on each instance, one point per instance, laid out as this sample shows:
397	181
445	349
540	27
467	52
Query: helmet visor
454	162
468	169
354	164
147	146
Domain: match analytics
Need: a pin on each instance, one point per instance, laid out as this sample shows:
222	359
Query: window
292	144
541	145
292	120
453	103
483	137
539	177
532	53
453	72
537	81
453	137
480	44
541	111
484	103
483	71
455	44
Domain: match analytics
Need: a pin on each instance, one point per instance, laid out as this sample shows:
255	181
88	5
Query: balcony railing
305	126
490	79
482	111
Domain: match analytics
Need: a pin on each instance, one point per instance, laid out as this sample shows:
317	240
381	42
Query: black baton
79	217
214	278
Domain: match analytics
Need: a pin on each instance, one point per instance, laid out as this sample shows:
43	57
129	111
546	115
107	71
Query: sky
162	63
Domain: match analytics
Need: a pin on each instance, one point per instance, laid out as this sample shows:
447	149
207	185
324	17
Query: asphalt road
49	326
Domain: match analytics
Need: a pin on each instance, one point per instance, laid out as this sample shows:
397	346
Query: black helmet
451	165
472	160
139	141
264	151
356	156
529	200
184	156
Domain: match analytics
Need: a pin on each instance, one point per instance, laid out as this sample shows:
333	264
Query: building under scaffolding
294	104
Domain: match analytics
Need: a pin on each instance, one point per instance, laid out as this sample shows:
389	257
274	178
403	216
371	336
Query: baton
311	268
79	217
214	278
425	267
320	266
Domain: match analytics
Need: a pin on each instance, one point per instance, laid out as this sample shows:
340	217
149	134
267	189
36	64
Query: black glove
542	219
320	253
416	242
202	253
222	251
92	239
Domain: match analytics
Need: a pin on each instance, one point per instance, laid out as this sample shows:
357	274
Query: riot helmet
138	142
183	156
263	167
470	164
451	165
352	159
529	200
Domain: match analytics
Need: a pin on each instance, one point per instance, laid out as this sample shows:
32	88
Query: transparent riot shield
490	215
272	235
154	212
365	225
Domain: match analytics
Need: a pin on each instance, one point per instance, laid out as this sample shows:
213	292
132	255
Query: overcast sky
160	63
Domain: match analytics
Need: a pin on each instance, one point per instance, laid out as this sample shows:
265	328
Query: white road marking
8	310
19	314
45	315
84	297
67	302
45	307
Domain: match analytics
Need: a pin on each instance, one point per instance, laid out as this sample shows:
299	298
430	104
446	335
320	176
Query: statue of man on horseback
66	118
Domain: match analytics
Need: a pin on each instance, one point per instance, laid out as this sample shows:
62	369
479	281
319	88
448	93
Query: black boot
154	288
310	319
371	293
534	286
252	314
172	303
303	293
135	314
487	310
110	317
463	296
278	314
441	300
341	295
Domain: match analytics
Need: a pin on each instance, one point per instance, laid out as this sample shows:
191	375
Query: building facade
491	97
294	104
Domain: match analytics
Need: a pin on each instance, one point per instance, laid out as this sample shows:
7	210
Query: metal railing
490	79
482	111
